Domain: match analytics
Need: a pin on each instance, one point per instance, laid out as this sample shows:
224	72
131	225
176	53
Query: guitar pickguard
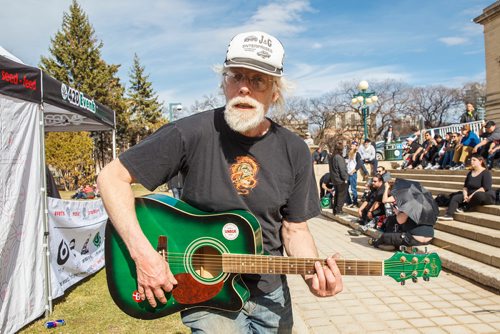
189	291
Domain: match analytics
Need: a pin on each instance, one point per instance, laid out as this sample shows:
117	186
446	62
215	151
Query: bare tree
435	104
295	109
208	102
322	111
392	105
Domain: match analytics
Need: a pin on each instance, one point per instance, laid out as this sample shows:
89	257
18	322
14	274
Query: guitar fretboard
263	264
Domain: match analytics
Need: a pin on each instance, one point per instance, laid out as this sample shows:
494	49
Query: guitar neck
263	264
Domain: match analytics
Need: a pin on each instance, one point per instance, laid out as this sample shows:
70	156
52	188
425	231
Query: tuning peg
426	278
402	248
414	279
403	282
425	250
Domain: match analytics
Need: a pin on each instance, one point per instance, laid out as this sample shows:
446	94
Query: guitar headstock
403	266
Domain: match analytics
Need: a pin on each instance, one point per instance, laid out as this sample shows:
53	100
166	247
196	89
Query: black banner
66	109
20	81
65	97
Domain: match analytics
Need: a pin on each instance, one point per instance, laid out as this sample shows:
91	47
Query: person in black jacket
470	114
477	189
338	176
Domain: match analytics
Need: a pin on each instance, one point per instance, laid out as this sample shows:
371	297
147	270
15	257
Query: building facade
348	125
490	19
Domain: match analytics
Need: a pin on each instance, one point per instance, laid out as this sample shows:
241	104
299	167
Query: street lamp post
363	99
171	107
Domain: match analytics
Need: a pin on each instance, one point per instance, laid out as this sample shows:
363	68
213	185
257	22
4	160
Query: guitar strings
260	260
271	259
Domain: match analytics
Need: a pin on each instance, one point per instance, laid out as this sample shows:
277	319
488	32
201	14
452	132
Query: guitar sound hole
207	262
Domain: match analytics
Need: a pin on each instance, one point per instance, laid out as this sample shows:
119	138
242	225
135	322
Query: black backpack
442	200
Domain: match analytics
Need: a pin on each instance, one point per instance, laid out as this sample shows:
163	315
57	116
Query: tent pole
45	216
114	144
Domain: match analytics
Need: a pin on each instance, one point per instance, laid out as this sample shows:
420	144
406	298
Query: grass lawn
88	308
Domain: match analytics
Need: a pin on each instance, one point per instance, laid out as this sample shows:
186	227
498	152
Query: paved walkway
446	304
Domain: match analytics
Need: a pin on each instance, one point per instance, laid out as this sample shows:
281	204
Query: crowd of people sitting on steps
455	150
377	210
376	207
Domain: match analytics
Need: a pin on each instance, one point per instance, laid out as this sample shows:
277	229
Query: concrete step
436	183
434	190
444	189
481	218
475	270
460	235
490	209
485	222
445	178
475	250
477	233
494	173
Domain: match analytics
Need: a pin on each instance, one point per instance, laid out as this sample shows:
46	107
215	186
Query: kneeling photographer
400	229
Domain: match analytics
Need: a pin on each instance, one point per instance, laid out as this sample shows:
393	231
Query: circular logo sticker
64	91
397	153
136	297
230	231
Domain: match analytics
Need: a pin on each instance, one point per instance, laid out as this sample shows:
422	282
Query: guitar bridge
161	248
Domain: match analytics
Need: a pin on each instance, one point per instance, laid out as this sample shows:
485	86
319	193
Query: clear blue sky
425	42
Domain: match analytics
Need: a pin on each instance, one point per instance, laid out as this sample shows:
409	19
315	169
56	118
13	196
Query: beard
243	120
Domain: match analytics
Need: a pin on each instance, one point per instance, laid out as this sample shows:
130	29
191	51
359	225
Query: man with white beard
230	158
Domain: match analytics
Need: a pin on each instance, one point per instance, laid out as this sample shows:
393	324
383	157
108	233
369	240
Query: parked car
379	150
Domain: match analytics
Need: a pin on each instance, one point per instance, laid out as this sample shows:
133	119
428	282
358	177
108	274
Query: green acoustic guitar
207	252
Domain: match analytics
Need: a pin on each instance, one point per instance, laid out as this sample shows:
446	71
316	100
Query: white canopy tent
32	103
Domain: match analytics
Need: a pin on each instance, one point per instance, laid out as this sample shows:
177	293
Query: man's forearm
298	240
118	200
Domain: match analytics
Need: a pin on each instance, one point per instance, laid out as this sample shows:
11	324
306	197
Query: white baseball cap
256	50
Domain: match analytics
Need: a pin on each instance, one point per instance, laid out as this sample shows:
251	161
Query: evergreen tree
76	60
143	106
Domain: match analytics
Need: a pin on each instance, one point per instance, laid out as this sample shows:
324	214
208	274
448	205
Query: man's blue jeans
448	159
271	313
374	164
353	184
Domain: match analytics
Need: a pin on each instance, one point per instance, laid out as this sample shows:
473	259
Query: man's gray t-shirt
271	176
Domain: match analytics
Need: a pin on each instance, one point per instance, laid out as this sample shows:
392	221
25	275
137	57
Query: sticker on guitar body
230	231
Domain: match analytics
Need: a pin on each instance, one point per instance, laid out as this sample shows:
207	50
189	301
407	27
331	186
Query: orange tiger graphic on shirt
244	174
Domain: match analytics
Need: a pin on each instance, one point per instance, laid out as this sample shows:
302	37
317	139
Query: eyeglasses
257	82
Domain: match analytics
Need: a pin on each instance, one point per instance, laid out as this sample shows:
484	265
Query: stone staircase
470	244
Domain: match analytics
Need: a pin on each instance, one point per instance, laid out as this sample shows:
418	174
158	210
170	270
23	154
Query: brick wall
490	19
